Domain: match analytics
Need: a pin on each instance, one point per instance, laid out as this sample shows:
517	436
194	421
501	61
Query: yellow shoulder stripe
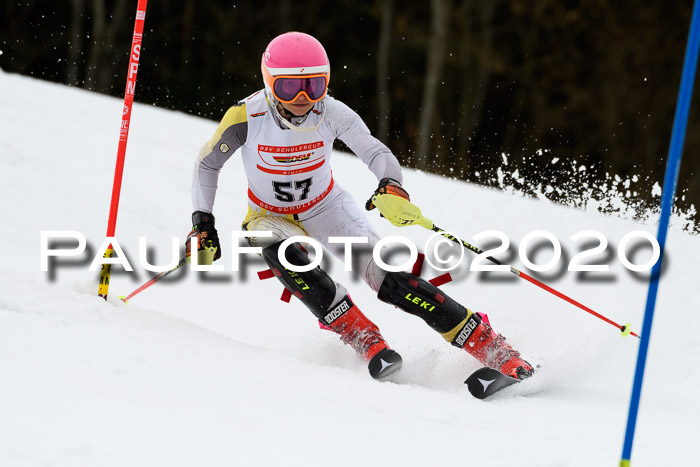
234	115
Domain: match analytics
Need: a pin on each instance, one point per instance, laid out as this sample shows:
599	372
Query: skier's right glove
387	186
206	238
394	204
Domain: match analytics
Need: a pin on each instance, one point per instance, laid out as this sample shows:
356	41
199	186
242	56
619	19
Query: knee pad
314	288
421	298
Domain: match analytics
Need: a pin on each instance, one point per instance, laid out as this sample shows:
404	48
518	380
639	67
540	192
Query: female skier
285	133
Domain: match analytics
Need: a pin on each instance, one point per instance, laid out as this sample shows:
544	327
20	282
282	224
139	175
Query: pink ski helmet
295	63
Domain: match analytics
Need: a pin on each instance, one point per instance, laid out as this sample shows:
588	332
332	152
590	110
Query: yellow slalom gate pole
103	289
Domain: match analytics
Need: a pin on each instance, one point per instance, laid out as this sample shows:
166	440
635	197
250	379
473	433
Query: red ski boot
356	330
491	349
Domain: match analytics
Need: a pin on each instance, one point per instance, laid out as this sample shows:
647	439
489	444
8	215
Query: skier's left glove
206	238
387	186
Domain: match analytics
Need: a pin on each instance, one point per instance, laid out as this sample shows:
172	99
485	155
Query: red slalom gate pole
123	136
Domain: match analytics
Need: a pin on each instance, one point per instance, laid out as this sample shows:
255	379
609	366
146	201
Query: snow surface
220	372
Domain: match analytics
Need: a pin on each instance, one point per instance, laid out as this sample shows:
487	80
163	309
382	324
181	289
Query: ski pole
402	212
625	329
153	280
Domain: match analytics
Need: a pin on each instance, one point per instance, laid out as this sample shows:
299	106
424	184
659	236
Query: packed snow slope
217	371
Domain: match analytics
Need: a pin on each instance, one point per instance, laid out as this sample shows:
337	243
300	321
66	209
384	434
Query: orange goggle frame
287	88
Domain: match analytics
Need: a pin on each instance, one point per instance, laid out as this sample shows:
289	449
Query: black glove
203	229
387	185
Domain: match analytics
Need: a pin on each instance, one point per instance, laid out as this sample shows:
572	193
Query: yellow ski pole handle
400	211
204	255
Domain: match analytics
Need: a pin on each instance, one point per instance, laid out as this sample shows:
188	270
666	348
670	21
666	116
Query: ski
384	363
486	381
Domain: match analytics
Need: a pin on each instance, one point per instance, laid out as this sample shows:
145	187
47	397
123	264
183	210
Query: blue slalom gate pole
680	124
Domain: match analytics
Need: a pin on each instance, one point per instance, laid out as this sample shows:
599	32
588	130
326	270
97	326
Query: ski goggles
286	89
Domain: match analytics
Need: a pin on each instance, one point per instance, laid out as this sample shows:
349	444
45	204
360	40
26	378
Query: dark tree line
449	85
